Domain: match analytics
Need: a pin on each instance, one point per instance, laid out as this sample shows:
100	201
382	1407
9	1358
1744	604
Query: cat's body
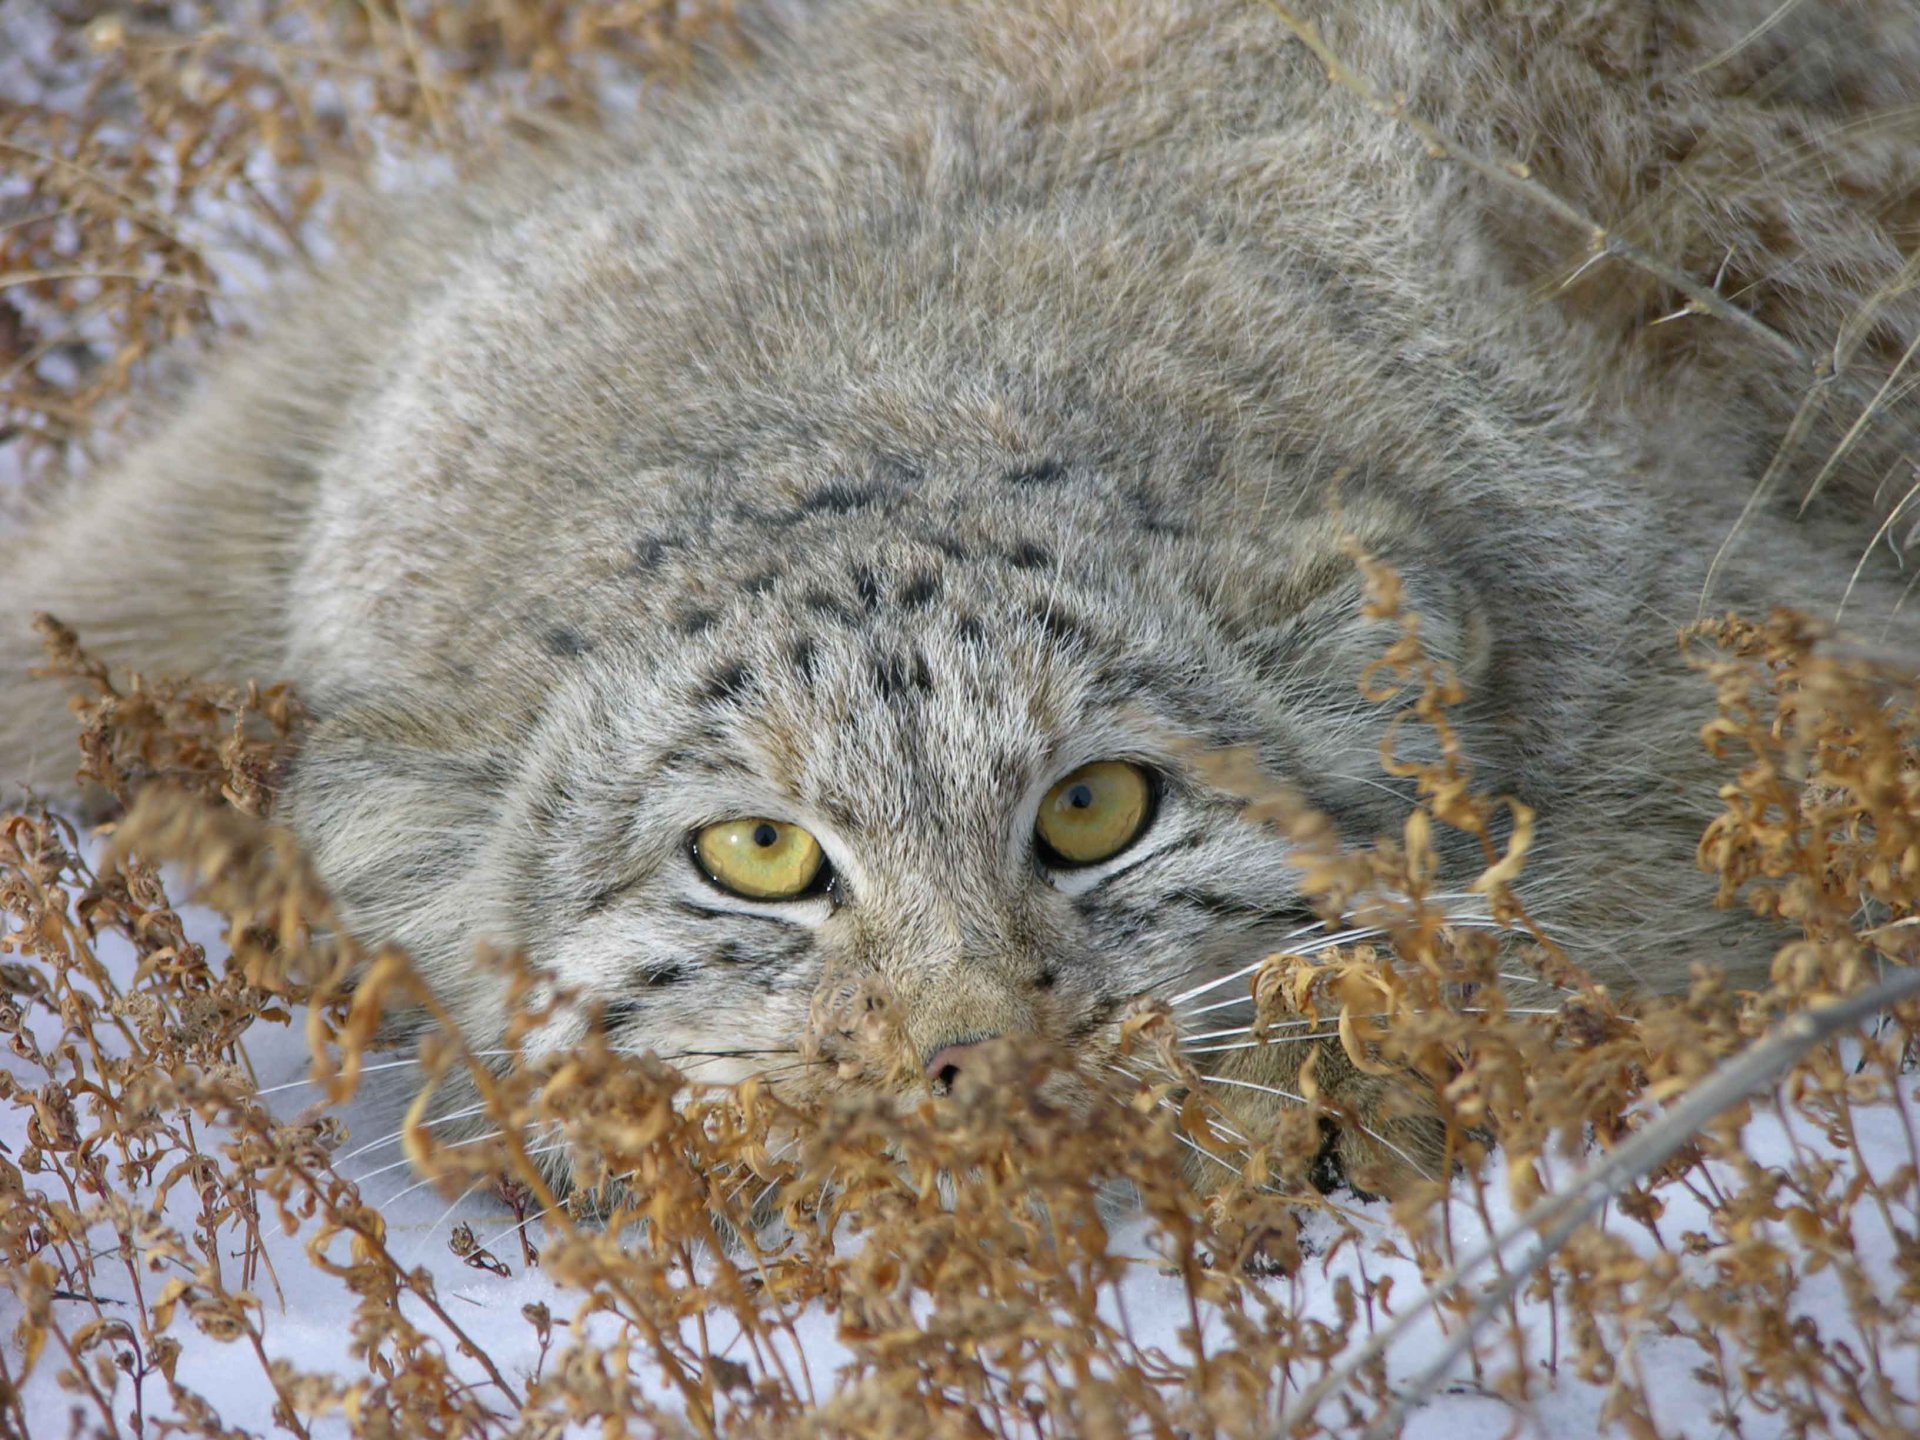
969	393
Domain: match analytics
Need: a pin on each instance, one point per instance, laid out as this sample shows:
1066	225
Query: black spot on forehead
1151	515
825	602
565	642
839	497
694	620
900	468
897	676
650	550
801	655
763	582
951	546
729	682
1040	472
1008	772
918	591
746	512
867	585
1030	555
1062	626
971	628
1119	681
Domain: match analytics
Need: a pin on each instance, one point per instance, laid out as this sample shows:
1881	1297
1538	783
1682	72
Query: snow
308	1321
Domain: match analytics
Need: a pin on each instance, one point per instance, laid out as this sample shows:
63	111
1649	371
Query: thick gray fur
960	393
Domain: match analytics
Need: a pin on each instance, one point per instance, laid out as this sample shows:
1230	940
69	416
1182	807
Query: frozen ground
307	1319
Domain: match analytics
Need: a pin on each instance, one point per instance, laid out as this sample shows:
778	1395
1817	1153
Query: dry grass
973	1300
168	146
979	1297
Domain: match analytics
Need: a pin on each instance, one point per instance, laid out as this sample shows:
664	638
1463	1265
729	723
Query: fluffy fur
965	392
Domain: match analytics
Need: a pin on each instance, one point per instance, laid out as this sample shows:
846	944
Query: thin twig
1555	1218
1515	176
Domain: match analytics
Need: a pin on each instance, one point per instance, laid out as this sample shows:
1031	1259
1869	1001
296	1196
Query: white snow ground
309	1322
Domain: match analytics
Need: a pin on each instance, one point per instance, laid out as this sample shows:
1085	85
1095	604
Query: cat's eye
759	859
1094	813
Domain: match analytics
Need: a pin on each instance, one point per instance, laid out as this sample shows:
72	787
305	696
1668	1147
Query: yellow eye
759	859
1095	813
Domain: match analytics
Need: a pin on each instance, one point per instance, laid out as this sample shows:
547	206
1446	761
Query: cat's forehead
934	673
867	678
852	577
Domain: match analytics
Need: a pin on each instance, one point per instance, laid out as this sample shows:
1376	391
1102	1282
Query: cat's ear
1326	601
398	810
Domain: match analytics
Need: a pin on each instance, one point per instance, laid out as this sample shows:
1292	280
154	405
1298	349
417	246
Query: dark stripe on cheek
705	912
1112	922
1235	907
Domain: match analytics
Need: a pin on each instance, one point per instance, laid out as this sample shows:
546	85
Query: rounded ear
397	810
1301	611
1333	635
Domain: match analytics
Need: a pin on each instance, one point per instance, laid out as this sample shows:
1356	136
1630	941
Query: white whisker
367	1070
399	1164
1323	1034
445	1215
1314	947
1326	942
1540	980
1188	1047
1366	1130
772	1185
521	1224
1236	1030
426	1124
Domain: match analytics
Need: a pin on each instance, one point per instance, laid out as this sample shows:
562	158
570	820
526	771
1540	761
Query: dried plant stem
1555	1218
10	1399
12	279
421	1289
1852	335
1514	176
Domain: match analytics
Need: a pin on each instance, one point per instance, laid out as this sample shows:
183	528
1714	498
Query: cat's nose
946	1065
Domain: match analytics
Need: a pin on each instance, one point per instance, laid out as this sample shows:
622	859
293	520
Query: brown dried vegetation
976	1297
961	1245
160	145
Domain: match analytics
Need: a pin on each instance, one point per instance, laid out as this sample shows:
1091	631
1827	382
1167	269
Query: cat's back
917	247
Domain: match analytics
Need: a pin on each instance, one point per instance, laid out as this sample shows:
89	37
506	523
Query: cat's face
907	773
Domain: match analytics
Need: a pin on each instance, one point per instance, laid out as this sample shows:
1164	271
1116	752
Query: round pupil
1080	796
765	835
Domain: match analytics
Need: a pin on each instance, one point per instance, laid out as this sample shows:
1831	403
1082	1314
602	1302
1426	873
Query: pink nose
945	1065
